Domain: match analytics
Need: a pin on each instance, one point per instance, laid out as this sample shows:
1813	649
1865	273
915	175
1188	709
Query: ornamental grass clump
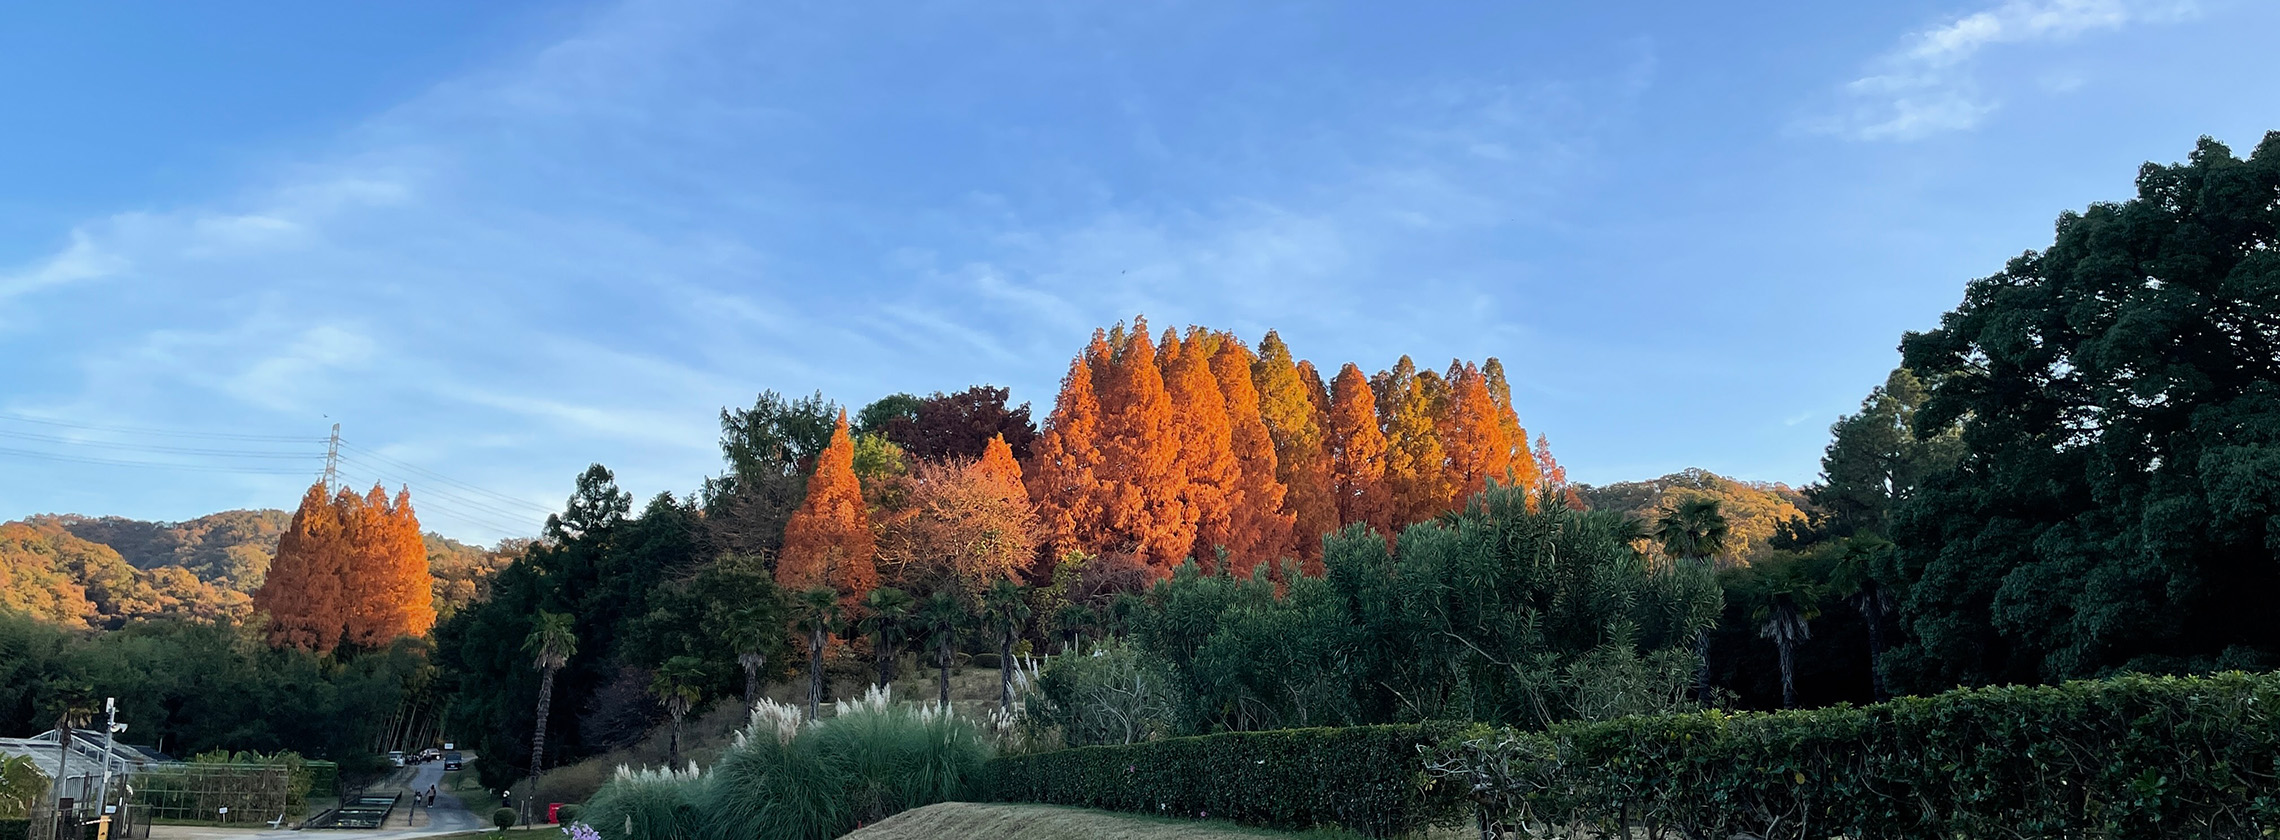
794	780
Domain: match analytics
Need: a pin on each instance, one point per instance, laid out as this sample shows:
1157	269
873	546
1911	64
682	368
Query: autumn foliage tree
350	569
828	542
1195	447
1293	418
1357	453
1259	529
968	526
1141	476
1206	449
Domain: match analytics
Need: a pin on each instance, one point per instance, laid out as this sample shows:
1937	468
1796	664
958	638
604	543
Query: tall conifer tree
1526	472
1472	436
1291	419
1415	477
1207	456
302	593
828	542
1140	471
1064	466
1259	529
1357	453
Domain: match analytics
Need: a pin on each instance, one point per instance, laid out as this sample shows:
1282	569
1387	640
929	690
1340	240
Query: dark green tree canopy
2119	401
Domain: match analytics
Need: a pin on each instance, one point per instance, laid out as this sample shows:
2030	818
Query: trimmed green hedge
2129	757
15	829
1368	779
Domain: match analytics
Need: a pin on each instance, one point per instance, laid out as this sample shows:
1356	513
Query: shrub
503	818
569	814
785	778
2135	756
655	804
1368	779
816	781
1112	695
15	829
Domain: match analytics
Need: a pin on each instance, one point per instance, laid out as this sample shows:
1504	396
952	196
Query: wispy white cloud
1928	84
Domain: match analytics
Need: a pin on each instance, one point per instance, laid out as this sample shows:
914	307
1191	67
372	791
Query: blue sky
499	241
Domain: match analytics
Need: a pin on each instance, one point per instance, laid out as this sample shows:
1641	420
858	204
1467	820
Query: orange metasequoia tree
1414	476
1140	472
302	594
1063	476
1259	529
350	569
1472	435
1357	453
1293	420
1206	453
391	594
828	541
1526	472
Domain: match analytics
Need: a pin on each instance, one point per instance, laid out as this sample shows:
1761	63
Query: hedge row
2128	757
1367	779
15	829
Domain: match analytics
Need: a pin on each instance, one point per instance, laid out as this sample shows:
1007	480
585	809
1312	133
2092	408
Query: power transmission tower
332	458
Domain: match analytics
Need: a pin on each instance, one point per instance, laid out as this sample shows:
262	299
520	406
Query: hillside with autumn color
102	572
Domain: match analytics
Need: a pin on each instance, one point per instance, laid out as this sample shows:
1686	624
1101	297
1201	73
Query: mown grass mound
978	821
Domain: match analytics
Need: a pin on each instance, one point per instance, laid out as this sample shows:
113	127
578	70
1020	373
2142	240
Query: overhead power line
159	465
440	478
176	433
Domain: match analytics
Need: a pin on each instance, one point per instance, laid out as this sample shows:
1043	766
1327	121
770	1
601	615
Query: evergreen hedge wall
1367	779
2133	756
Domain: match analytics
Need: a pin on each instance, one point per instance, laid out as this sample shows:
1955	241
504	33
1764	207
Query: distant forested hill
101	572
1752	508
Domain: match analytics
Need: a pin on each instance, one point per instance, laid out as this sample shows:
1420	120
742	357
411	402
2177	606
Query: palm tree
941	618
552	641
1075	621
1854	579
75	705
819	615
1006	608
1784	618
1696	531
750	632
886	619
678	687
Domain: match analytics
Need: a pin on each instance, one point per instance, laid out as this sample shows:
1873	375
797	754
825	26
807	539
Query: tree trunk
1005	671
752	682
64	737
1788	646
886	658
1872	610
673	744
815	672
538	737
942	658
1702	666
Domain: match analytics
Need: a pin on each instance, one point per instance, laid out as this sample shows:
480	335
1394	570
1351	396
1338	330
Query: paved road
448	817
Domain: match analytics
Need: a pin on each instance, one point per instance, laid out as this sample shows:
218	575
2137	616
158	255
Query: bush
569	814
1368	779
503	818
656	804
984	660
15	829
797	780
2134	756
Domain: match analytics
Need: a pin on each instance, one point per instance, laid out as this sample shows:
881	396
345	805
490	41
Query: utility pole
111	729
332	458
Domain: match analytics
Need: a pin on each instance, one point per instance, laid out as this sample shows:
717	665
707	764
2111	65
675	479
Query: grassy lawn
480	800
964	820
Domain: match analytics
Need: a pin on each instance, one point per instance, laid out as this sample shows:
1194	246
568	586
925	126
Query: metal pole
110	728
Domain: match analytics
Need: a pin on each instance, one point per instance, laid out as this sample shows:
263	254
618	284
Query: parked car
395	757
430	754
451	760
